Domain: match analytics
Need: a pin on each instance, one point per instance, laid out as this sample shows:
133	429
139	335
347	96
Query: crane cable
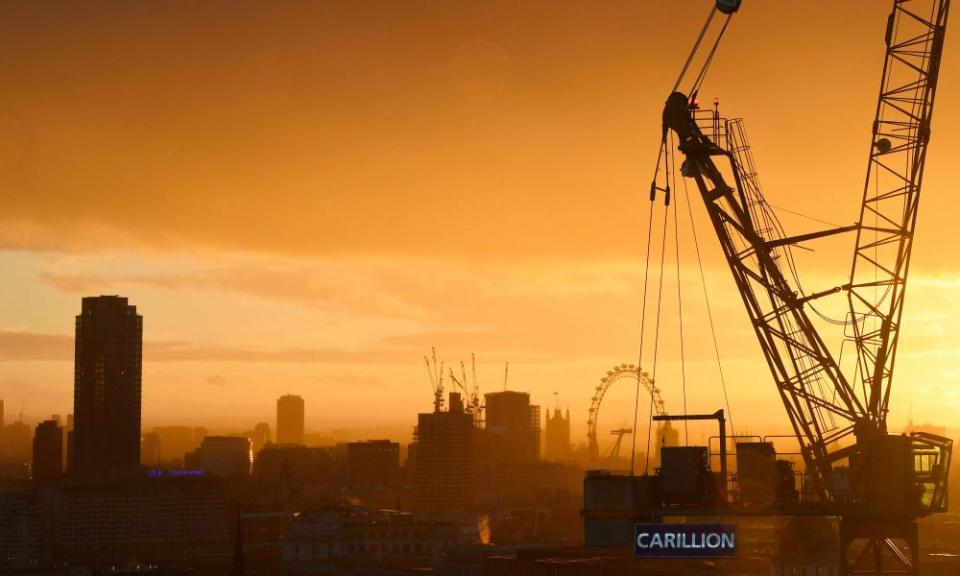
661	153
706	297
643	315
656	332
696	46
701	75
706	64
683	359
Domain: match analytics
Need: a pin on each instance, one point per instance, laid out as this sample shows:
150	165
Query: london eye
621	375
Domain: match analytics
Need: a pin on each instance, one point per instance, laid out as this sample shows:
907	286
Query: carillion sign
685	540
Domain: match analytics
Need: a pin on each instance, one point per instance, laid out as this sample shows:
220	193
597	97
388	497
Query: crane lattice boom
888	214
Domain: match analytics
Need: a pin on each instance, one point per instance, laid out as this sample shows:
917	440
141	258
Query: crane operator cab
896	475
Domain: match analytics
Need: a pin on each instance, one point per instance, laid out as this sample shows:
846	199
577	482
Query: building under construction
444	458
511	428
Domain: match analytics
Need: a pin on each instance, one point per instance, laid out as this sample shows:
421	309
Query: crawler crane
877	483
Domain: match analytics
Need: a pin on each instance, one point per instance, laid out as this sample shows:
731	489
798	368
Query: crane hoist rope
663	163
727	8
643	324
656	331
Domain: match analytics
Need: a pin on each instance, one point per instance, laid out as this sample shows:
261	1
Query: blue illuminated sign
160	472
685	540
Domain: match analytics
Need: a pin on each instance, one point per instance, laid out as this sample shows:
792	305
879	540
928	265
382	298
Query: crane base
878	546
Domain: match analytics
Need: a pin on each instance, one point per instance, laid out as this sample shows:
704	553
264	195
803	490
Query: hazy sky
305	197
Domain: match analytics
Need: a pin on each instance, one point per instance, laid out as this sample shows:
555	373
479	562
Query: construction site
302	197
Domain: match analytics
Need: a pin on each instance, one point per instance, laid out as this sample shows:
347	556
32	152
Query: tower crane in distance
878	484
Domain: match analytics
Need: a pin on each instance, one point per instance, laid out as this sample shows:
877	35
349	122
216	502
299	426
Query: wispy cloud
30	346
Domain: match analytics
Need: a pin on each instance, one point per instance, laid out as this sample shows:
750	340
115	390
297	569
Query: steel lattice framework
901	131
820	403
824	404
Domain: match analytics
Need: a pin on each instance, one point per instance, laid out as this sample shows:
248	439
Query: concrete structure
21	531
263	531
373	463
224	456
290	416
15	450
68	443
176	441
329	535
512	427
259	437
293	464
444	460
107	384
47	453
531	481
150	449
139	519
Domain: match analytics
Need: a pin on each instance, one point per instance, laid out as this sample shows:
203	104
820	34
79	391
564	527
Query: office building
16	447
21	531
47	453
68	443
444	459
262	533
223	456
512	427
557	436
527	483
373	463
176	441
153	518
290	420
150	449
294	464
259	437
321	536
107	384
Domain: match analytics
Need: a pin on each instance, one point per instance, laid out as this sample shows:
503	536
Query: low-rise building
294	464
158	517
332	534
21	530
373	463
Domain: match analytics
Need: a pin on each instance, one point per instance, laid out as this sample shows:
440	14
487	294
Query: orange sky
304	197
